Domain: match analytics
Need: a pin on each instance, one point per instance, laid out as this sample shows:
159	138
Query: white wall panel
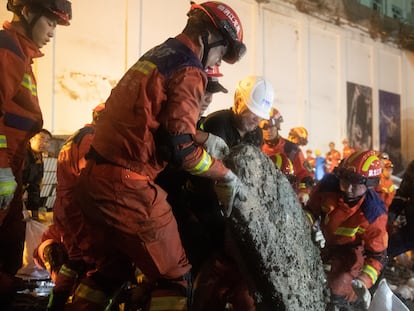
307	60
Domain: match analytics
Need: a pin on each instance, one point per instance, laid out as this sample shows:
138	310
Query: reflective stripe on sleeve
349	232
93	295
371	272
202	166
168	303
3	141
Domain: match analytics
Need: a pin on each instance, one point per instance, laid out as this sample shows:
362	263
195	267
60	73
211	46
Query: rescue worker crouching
353	221
128	215
274	144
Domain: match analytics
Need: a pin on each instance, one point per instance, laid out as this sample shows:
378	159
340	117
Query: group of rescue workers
138	203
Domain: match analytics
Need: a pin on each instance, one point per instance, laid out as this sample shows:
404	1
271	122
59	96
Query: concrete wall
308	61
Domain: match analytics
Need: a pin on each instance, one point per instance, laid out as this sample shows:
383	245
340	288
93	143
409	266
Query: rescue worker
150	120
386	188
220	281
353	221
32	27
347	149
193	210
66	214
298	135
274	144
333	157
311	161
284	164
402	234
33	171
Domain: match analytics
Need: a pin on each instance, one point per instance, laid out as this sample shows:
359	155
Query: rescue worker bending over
150	120
276	144
353	221
67	217
33	25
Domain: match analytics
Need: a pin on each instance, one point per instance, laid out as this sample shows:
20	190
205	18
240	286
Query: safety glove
362	292
317	235
7	187
228	190
216	146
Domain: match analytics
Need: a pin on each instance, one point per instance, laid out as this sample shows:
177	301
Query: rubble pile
273	237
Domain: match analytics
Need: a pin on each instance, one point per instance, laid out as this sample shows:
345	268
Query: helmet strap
208	46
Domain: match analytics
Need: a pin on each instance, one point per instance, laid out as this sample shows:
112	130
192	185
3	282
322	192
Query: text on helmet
230	16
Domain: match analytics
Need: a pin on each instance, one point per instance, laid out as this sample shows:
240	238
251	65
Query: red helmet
59	9
361	167
283	163
228	23
298	135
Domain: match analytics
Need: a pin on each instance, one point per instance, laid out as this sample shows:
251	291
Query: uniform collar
29	48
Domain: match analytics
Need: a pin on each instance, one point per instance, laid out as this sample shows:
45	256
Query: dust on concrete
273	237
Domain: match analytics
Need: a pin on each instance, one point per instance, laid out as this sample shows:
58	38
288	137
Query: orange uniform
356	235
386	190
293	152
155	101
20	119
333	157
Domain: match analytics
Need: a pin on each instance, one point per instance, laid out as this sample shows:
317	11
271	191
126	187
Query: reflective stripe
202	166
302	185
371	272
368	162
93	295
7	187
68	272
144	66
349	232
168	303
28	84
310	217
3	141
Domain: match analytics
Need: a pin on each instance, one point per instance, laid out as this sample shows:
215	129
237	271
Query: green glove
7	187
228	189
362	292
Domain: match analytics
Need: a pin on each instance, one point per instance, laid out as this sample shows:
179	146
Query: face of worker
205	102
248	121
215	54
43	30
270	130
40	142
387	172
352	190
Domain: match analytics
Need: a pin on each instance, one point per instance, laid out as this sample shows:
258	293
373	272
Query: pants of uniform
128	220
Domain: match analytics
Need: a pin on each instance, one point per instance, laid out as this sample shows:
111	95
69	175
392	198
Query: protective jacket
386	190
345	226
21	116
71	161
293	152
20	119
133	123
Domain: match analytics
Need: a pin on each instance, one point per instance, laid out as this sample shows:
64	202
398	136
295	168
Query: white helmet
257	93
